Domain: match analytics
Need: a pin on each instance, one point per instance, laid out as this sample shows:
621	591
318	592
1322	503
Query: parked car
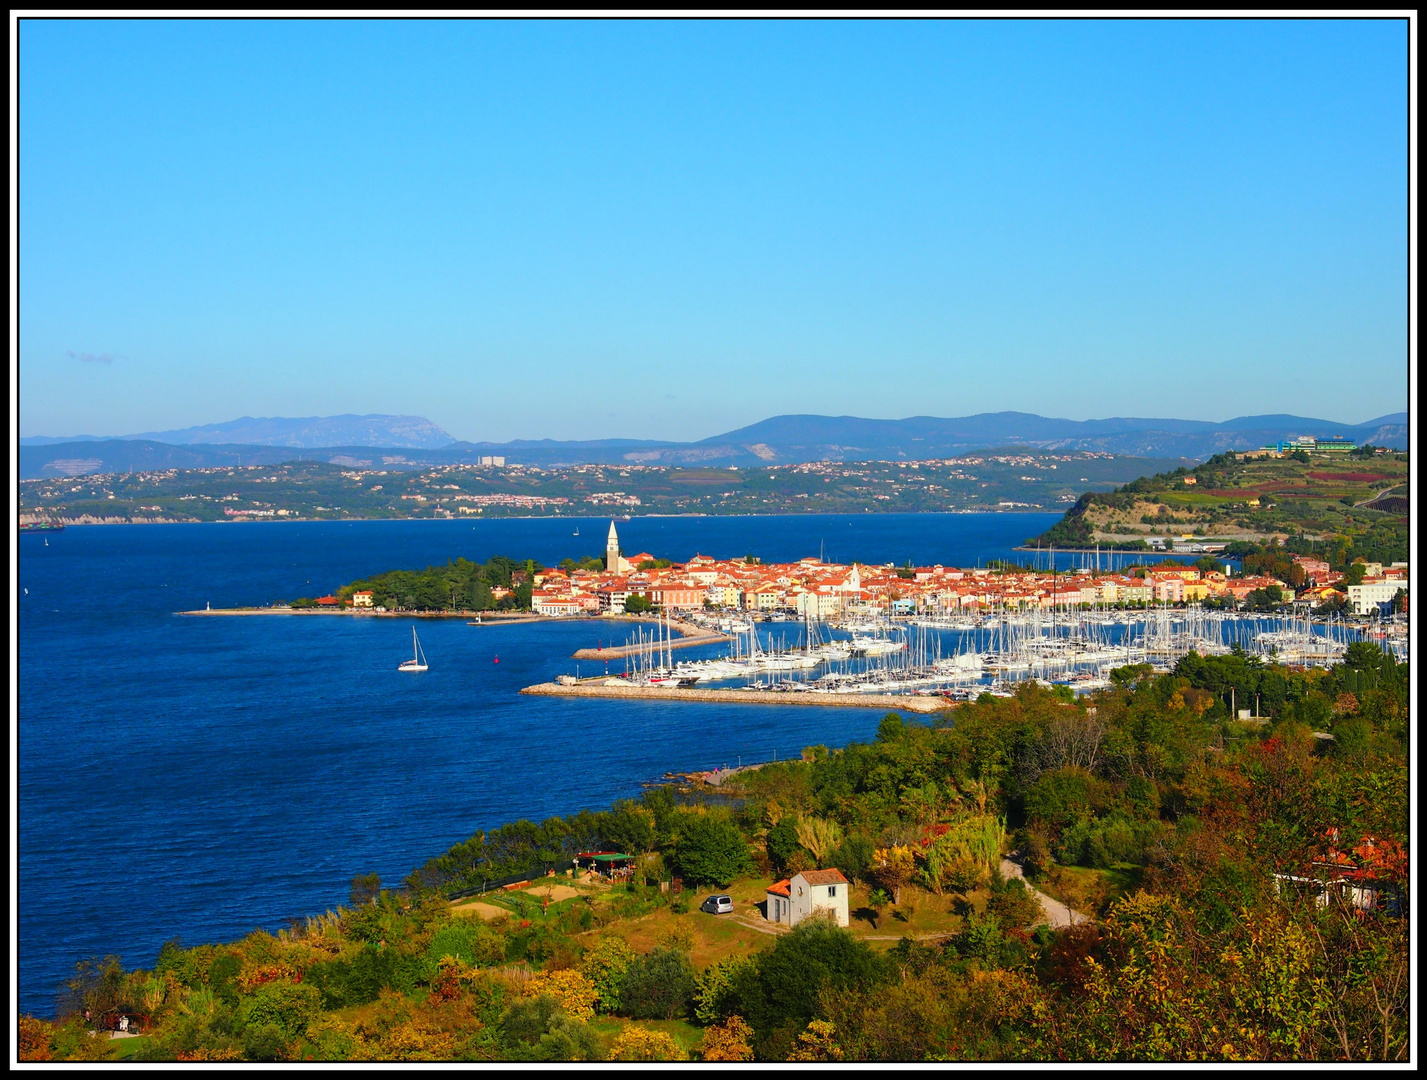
717	905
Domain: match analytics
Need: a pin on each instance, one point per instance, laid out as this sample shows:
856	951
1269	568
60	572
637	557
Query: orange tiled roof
779	888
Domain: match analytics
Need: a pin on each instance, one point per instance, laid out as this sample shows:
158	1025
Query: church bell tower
611	551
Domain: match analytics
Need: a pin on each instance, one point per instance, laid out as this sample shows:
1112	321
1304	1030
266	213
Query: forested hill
1323	503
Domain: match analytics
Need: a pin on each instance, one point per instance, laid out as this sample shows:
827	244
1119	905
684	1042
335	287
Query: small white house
794	899
362	599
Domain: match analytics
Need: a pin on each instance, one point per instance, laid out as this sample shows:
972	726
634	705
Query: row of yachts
908	659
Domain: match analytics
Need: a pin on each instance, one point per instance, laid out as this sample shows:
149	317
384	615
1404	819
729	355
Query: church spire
611	550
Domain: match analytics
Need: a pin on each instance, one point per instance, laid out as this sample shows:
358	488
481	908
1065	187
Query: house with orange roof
792	900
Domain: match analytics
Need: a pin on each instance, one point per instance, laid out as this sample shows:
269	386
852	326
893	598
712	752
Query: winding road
1058	915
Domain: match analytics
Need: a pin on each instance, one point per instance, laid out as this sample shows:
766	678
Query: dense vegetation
459	585
1148	807
1341	507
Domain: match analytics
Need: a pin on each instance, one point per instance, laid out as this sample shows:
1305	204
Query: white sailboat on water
418	658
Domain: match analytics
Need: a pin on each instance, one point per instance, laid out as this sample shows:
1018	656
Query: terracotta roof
779	888
823	877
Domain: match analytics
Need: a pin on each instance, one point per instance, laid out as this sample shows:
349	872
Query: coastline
90	519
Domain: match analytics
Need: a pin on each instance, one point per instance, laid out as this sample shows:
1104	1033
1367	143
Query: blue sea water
200	777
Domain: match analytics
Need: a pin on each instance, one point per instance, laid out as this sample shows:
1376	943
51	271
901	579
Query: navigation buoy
497	659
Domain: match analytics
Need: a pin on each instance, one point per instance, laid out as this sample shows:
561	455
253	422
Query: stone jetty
602	689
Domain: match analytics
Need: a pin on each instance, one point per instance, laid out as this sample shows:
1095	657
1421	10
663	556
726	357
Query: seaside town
813	589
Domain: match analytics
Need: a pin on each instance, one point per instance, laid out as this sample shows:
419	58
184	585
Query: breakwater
616	652
367	613
926	704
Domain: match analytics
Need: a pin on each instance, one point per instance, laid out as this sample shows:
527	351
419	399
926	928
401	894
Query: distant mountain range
411	441
307	432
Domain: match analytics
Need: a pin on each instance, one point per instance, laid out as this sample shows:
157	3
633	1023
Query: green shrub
469	940
223	977
658	986
717	988
288	1006
1013	904
361	978
265	1042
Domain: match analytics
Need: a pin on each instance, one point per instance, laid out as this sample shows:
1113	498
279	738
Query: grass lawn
919	914
714	937
1085	889
126	1047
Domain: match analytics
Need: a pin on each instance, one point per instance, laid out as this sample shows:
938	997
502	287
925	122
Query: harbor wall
892	702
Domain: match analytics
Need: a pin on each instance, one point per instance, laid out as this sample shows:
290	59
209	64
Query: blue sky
670	229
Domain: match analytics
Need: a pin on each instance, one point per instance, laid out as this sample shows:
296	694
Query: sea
197	778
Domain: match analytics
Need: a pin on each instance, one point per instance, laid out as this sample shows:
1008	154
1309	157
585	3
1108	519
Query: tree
730	1041
658	985
365	889
892	867
645	1044
782	842
817	956
629	828
35	1036
719	987
819	835
817	1043
710	850
574	992
96	985
635	604
605	966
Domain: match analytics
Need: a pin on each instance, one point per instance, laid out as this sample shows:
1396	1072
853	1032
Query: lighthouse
611	551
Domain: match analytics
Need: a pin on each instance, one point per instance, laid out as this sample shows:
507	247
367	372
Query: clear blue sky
670	229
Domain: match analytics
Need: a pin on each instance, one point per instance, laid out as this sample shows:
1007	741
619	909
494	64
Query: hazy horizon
687	438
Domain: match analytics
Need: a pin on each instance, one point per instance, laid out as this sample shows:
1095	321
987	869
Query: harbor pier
601	689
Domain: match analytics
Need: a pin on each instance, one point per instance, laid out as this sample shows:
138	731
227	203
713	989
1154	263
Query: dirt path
1057	914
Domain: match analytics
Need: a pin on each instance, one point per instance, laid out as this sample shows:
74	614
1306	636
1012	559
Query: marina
958	658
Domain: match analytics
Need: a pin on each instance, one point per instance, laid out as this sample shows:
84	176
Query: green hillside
1320	502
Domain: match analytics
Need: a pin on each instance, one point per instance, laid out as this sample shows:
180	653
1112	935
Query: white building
794	899
1368	597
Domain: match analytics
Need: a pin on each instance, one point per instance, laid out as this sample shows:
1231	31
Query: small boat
576	532
418	658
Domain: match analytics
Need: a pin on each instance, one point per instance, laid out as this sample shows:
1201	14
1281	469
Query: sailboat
576	532
418	658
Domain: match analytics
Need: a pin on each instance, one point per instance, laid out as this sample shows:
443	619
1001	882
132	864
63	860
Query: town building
1372	596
